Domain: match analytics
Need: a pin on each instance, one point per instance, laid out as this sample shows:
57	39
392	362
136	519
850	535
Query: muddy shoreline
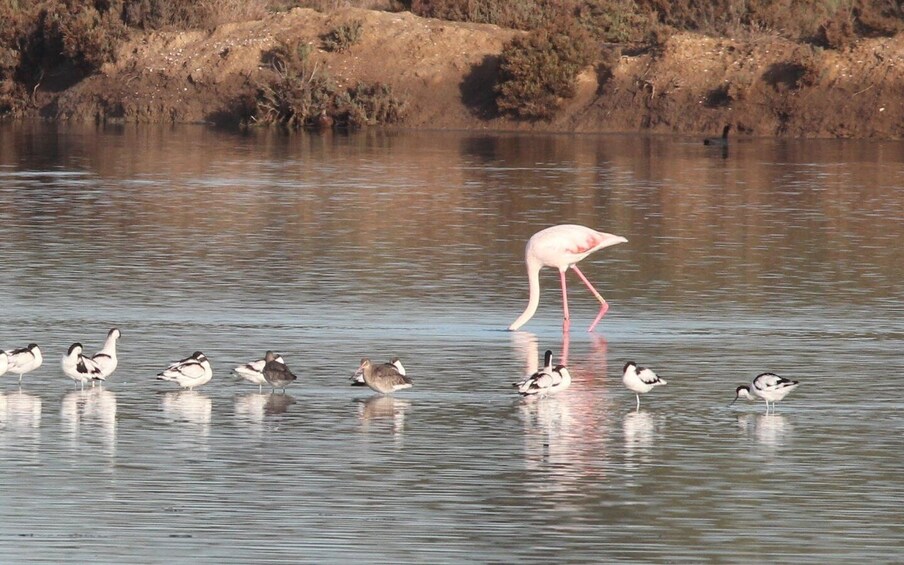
764	86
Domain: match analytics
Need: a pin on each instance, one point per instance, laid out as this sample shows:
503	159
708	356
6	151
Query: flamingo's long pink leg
567	322
565	346
604	306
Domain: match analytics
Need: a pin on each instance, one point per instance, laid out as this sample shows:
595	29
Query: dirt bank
764	85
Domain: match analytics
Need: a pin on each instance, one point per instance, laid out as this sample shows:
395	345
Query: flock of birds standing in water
561	246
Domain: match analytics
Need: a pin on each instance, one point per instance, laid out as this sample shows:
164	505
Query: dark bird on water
276	372
719	140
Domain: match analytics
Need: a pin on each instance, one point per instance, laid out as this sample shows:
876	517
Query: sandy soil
763	85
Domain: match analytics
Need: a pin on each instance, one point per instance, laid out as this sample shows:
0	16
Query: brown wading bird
276	372
384	378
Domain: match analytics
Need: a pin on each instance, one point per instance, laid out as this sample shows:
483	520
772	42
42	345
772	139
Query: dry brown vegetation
611	57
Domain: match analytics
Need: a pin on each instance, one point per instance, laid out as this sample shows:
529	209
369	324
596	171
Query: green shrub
344	36
538	70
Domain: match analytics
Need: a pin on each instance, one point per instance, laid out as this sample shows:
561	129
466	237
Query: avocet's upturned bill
24	360
190	372
768	386
253	370
640	380
79	368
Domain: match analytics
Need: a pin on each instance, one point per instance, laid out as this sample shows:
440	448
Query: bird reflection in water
250	406
254	408
768	430
565	434
277	403
383	412
527	348
90	413
20	424
639	430
188	406
20	410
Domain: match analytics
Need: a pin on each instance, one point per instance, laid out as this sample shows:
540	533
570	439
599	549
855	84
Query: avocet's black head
270	356
32	346
629	364
198	355
742	391
547	358
73	347
114	332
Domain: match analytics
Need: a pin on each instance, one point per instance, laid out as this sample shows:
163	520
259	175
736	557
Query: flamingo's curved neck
533	278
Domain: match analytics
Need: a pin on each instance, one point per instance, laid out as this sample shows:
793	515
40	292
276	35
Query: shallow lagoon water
782	256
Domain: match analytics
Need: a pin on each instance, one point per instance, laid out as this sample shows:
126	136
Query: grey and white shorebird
640	380
384	378
545	383
357	378
545	369
190	372
106	357
24	360
768	386
79	368
276	372
253	370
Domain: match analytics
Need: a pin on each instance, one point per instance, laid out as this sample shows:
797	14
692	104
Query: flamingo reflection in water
565	435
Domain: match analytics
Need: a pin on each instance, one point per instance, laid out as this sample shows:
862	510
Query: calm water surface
783	256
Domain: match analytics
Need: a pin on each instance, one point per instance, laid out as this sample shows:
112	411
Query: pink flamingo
562	247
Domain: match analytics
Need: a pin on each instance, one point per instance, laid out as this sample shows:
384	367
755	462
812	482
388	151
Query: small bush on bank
13	98
344	36
65	35
837	32
538	70
303	95
373	104
516	14
607	20
189	14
